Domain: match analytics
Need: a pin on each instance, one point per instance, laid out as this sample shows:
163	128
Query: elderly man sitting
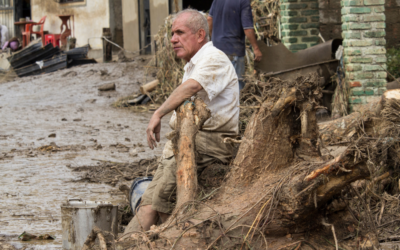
209	74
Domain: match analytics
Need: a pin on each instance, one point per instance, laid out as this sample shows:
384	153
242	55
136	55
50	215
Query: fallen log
149	87
190	118
107	87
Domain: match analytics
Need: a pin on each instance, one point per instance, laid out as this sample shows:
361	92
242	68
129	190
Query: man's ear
201	35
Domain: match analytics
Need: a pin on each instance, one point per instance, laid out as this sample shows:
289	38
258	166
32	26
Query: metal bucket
78	218
138	187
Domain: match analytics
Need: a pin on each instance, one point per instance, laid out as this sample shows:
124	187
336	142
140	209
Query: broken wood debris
35	59
149	87
107	87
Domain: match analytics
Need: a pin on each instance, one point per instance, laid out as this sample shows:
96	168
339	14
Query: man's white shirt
213	70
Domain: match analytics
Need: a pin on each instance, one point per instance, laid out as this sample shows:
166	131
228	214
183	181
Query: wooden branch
90	240
190	118
287	97
149	87
102	241
375	180
332	165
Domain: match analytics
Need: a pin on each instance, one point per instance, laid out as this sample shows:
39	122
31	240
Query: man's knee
146	211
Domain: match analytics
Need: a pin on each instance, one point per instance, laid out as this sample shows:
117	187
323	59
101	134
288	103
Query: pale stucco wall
91	17
158	12
130	18
130	24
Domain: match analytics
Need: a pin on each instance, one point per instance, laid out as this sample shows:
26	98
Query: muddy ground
56	124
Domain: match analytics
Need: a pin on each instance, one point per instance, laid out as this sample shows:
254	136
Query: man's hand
251	35
257	54
154	128
181	93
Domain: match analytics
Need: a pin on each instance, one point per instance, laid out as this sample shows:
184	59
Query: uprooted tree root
282	193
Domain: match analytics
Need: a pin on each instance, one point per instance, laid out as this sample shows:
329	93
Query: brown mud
51	126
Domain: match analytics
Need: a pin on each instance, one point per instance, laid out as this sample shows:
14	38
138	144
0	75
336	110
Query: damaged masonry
313	154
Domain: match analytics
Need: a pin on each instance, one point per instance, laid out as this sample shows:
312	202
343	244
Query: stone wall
364	49
85	13
300	23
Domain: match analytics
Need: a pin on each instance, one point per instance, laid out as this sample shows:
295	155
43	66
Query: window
5	3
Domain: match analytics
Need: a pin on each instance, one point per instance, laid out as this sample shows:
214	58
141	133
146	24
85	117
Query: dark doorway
22	9
204	5
26	8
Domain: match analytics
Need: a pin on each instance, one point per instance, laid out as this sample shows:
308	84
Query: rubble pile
266	18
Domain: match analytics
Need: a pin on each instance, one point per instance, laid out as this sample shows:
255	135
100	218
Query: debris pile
266	18
344	198
371	137
35	59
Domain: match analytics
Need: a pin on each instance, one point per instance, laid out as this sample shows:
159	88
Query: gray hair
195	22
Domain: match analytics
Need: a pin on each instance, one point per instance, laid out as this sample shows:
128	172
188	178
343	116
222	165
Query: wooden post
148	87
190	118
107	47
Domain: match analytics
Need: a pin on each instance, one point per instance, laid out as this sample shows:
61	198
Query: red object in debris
26	34
66	29
53	39
41	32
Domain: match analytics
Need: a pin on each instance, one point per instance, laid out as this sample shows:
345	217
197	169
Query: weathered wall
364	49
392	12
90	16
330	19
300	23
130	24
116	22
158	12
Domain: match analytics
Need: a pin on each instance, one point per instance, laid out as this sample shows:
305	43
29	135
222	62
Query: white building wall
91	16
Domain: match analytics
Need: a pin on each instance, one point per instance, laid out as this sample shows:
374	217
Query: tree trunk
279	185
280	143
190	118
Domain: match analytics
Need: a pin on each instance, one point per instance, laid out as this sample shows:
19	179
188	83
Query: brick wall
364	49
300	23
330	20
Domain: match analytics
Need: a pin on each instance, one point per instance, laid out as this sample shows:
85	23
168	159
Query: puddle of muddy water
34	183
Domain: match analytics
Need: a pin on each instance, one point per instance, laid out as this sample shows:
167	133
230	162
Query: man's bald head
194	20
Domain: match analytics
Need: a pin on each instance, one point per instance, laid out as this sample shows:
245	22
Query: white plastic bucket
78	218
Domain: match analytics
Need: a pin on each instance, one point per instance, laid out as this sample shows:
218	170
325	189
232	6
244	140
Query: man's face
184	42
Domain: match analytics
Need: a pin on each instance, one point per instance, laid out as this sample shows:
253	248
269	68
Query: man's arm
210	23
251	35
183	92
